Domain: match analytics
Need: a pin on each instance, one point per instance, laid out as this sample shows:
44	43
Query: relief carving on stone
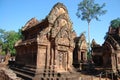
82	44
57	10
62	48
113	42
54	14
63	60
60	22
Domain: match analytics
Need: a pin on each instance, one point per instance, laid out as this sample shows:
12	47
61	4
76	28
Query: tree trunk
88	36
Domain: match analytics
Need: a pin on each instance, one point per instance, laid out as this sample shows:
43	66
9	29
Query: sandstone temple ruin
108	55
50	47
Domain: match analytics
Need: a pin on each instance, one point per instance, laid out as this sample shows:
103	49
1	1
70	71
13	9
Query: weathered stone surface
7	74
4	60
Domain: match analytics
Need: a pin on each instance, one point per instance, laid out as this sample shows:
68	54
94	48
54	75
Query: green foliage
7	41
115	23
88	10
3	52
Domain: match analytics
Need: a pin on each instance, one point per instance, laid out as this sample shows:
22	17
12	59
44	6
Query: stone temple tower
48	46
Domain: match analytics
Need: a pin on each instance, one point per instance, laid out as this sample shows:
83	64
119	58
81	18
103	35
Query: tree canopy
7	41
115	23
88	10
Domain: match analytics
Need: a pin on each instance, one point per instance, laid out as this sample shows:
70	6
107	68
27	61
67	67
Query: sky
15	13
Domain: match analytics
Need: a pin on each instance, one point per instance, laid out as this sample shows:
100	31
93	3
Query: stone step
30	66
29	69
23	75
26	73
24	70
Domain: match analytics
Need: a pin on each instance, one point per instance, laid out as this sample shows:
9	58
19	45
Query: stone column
70	60
38	58
41	55
48	57
113	62
67	58
79	56
52	58
60	60
86	55
56	59
118	56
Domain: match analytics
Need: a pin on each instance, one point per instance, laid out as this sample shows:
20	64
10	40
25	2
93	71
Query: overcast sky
15	13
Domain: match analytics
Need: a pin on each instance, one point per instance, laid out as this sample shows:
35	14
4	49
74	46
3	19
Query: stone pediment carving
62	30
82	37
108	48
83	45
30	23
64	37
57	10
62	21
81	42
113	42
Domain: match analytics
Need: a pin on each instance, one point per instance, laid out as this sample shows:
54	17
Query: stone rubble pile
7	74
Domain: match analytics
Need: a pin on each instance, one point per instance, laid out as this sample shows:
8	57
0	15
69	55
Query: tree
7	41
115	23
88	10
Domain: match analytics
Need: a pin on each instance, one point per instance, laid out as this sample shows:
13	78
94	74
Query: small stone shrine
80	51
48	46
109	53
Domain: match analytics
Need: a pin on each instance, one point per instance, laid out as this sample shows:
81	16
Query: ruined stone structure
110	50
48	46
80	51
7	74
97	53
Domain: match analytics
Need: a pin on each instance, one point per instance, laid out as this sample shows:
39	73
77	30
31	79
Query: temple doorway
63	60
